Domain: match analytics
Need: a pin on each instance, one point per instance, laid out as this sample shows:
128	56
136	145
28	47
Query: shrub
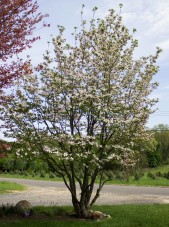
51	175
17	172
166	175
136	176
166	161
26	173
6	164
141	174
7	210
120	176
21	172
159	174
58	175
44	166
12	172
151	175
20	164
42	174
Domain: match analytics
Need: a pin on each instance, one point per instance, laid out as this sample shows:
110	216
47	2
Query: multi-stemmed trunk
81	209
83	203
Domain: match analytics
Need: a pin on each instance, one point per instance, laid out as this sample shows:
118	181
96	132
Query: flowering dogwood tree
86	107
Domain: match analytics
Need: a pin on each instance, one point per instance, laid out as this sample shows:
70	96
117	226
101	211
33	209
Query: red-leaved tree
18	20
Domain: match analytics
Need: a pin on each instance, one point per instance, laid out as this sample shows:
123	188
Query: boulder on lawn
24	207
97	215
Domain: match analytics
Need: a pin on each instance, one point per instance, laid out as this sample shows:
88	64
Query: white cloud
164	44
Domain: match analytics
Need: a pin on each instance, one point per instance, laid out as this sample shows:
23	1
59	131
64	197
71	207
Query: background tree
5	150
149	155
4	145
86	108
161	134
18	19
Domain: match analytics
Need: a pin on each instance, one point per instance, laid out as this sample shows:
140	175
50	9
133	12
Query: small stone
98	215
23	207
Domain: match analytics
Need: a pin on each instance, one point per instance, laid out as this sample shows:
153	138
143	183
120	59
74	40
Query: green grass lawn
143	181
162	169
122	216
36	177
6	187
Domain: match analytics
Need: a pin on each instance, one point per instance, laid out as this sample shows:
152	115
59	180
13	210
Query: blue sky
149	17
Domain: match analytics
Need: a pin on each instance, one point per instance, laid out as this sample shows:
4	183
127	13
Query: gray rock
23	207
97	215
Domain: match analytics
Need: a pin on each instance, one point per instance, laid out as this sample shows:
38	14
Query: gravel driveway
55	193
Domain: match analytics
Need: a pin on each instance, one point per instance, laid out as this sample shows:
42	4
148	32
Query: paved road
50	192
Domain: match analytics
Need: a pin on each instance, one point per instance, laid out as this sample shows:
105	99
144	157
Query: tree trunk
81	210
127	173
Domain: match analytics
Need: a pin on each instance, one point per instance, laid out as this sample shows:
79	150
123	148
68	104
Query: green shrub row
42	174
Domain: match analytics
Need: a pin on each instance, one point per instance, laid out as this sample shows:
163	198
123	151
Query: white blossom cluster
89	103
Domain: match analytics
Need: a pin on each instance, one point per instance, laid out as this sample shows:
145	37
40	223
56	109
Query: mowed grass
143	181
162	169
6	187
36	177
121	216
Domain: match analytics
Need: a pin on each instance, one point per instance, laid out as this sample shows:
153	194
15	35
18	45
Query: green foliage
17	171
136	176
7	164
153	155
21	173
166	175
159	174
26	173
20	164
156	150
51	175
42	174
11	172
162	137
120	175
151	175
149	156
37	165
6	210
